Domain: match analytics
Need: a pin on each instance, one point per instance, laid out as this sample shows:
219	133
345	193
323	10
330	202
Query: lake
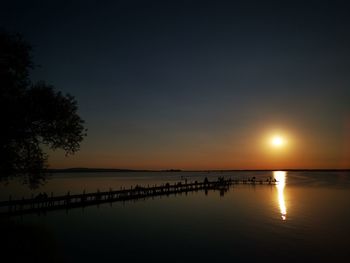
305	217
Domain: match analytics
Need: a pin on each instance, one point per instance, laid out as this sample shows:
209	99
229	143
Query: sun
277	141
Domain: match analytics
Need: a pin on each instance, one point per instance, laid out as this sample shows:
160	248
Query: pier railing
43	202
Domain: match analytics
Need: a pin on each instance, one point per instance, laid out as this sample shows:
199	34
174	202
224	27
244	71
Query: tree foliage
32	115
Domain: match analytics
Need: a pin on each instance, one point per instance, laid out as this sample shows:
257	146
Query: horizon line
87	169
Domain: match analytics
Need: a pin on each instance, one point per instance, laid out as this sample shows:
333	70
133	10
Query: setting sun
277	141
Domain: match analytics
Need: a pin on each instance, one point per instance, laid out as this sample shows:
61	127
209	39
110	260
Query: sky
197	84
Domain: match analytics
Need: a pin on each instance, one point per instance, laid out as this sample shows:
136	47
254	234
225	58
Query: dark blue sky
196	84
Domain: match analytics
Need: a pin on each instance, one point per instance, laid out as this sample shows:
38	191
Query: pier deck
43	203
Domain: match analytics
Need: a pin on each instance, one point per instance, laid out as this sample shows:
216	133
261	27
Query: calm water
305	218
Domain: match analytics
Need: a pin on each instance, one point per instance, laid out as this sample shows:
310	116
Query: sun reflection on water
280	176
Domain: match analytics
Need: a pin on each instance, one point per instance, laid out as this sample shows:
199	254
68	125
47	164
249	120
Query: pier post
21	207
10	204
51	200
68	199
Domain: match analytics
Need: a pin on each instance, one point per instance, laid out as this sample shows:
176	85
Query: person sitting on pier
138	187
221	179
41	196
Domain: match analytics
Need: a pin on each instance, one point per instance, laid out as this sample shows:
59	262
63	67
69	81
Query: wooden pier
43	202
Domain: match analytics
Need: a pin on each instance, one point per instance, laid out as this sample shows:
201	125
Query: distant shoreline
110	170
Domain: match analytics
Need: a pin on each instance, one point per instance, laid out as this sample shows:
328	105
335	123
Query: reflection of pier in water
44	203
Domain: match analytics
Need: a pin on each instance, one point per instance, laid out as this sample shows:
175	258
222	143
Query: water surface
304	218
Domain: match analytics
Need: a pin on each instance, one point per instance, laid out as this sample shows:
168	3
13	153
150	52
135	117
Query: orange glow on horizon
251	150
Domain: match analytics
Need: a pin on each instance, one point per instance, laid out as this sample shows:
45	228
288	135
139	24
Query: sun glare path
280	176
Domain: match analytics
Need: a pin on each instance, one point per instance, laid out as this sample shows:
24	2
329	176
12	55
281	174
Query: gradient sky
197	84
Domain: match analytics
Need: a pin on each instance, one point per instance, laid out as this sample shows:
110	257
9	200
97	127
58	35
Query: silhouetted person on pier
220	179
41	196
206	180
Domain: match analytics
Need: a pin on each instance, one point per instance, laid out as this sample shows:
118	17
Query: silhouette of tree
32	115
